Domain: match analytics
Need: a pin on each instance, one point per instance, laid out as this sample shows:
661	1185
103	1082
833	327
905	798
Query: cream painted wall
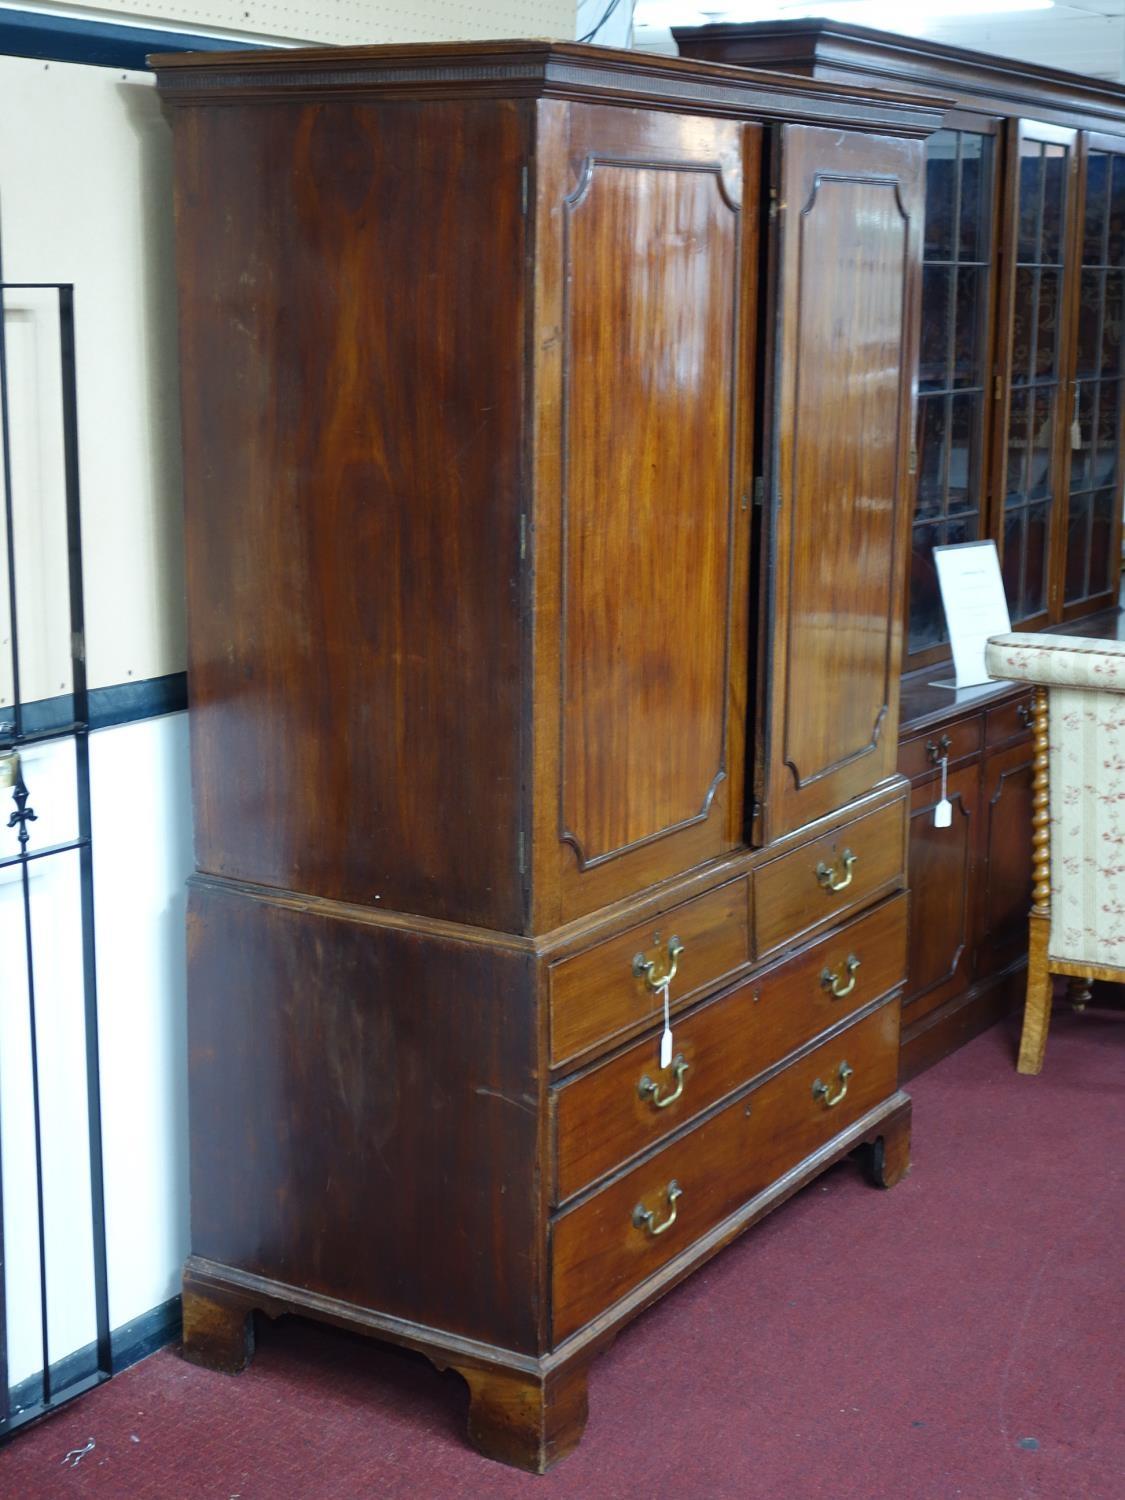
85	197
350	22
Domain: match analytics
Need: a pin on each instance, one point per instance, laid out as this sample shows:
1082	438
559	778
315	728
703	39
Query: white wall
348	22
142	857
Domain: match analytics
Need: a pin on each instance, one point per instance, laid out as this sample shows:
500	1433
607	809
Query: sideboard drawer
598	994
621	1235
1010	721
822	880
922	755
626	1105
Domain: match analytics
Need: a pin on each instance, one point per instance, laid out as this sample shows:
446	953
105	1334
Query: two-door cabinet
1018	436
546	421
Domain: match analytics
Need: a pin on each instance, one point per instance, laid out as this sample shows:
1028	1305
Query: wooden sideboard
546	421
1019	436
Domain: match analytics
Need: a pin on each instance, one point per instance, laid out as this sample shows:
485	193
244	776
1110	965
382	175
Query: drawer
1011	721
627	1105
606	1245
922	755
597	995
816	884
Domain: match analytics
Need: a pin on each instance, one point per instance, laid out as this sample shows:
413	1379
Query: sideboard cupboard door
647	248
849	214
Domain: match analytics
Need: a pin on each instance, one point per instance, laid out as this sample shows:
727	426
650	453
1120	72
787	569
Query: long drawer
821	881
609	989
622	1234
628	1104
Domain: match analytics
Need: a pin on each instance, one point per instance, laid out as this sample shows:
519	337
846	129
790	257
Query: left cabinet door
848	224
646	259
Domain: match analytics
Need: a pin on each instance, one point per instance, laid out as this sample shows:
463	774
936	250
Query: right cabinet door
847	265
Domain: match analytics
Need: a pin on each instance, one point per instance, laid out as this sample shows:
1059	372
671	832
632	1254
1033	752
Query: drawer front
922	755
606	1246
1011	721
628	1104
597	995
821	881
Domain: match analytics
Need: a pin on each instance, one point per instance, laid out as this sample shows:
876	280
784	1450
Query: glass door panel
1032	450
1095	435
953	374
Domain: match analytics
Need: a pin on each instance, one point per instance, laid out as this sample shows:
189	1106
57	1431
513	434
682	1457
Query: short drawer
626	1105
922	755
599	994
620	1236
1010	721
804	890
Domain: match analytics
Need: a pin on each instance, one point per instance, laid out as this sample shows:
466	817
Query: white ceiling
1083	36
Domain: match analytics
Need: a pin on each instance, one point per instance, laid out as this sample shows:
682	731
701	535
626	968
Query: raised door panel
1006	876
941	865
651	594
846	337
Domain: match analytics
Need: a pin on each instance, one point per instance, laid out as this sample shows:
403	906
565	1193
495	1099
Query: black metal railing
51	1387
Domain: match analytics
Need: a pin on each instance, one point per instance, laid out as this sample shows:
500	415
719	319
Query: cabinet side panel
364	1114
351	289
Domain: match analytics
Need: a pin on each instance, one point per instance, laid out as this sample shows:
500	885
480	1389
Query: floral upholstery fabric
1086	783
1058	661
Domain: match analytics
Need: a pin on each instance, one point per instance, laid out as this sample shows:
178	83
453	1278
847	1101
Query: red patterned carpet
960	1336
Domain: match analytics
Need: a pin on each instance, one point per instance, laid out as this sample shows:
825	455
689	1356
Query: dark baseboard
128	1344
122	703
101	44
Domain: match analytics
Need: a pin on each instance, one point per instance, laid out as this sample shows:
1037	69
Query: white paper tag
1075	435
666	1039
943	812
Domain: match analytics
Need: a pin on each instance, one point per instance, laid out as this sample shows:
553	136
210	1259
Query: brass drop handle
645	968
650	1090
830	876
1023	713
842	982
939	750
645	1218
824	1092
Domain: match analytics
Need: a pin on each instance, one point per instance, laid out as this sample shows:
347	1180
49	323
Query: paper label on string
666	1039
943	813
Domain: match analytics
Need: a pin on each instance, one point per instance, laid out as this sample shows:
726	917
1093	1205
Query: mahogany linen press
547	421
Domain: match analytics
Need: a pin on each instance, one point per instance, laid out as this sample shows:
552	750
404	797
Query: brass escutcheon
824	1092
645	968
645	1218
650	1090
842	982
830	876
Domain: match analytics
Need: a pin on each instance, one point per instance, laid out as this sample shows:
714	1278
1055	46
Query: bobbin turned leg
530	1421
1037	1006
218	1329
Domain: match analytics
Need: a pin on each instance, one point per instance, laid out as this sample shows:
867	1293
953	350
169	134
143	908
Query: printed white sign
972	594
